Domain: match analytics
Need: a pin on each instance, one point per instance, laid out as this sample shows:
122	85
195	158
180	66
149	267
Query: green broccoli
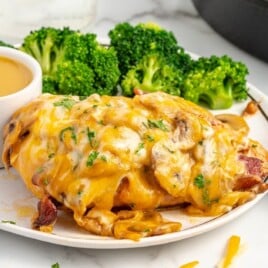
49	85
103	60
145	57
132	43
73	62
76	46
5	44
216	82
75	78
44	45
152	73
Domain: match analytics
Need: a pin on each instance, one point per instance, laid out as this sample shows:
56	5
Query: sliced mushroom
236	122
188	132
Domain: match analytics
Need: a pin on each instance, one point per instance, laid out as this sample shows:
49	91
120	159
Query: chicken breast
113	161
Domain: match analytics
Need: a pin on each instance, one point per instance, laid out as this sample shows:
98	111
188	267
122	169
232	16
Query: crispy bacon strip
254	179
47	213
253	165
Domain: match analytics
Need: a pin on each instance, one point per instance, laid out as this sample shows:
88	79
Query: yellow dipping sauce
14	76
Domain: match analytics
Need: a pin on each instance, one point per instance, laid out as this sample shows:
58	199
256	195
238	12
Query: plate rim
111	243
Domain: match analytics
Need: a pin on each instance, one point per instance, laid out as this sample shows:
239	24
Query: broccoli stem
35	51
149	72
46	59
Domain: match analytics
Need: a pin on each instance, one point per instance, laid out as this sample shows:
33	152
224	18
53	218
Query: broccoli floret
4	44
104	63
152	73
73	62
44	45
49	85
132	43
75	78
76	46
95	68
216	82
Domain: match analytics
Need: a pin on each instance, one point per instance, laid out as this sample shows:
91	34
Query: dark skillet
243	22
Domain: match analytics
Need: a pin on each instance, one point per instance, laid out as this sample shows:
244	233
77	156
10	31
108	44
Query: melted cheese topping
104	152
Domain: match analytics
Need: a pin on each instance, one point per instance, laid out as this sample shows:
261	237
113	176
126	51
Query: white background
196	36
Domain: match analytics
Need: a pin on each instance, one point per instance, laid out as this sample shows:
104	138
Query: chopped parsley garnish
72	130
157	124
147	230
10	222
80	192
51	155
199	181
169	150
82	97
66	103
204	128
149	138
205	196
140	147
202	183
103	158
46	181
91	158
91	135
40	170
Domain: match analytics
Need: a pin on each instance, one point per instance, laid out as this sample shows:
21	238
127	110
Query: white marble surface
196	36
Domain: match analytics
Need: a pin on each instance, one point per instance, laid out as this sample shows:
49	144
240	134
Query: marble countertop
196	36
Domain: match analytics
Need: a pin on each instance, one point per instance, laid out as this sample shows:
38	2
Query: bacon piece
250	183
254	179
47	213
253	165
246	183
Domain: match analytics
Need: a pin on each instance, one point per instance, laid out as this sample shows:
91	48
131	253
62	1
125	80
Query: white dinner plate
17	205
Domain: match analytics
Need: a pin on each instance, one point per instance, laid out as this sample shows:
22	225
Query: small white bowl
10	103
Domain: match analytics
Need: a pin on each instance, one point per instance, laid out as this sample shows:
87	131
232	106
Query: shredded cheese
190	264
231	251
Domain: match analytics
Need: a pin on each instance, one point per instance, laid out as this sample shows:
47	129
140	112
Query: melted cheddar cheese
232	250
106	153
